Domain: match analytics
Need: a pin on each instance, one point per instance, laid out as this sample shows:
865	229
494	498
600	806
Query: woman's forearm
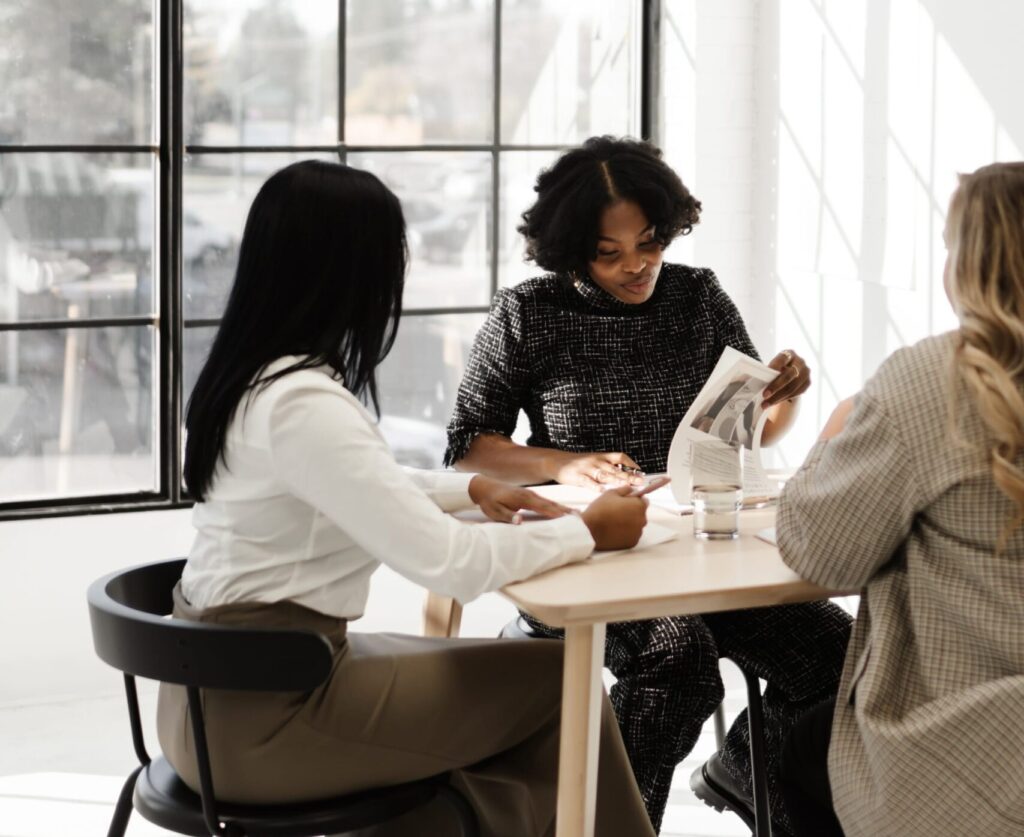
499	457
780	418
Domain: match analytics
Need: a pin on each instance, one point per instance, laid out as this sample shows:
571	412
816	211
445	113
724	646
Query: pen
653	485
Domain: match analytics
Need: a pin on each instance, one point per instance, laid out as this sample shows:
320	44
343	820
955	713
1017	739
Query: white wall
45	644
855	116
708	122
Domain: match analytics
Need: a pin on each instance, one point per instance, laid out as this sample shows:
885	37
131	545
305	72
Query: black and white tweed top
591	372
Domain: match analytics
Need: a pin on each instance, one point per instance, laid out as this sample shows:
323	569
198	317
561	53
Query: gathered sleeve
328	455
493	388
449	490
848	510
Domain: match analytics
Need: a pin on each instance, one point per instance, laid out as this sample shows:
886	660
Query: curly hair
561	228
985	233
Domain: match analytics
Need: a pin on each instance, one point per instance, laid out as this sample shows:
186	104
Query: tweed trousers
668	684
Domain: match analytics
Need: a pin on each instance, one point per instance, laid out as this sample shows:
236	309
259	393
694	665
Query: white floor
62	765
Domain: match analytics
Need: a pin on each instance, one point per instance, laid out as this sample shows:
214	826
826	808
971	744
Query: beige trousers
395	709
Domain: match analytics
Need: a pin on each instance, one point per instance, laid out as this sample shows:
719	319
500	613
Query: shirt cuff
451	491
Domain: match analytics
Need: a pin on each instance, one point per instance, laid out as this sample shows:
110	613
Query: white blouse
311	501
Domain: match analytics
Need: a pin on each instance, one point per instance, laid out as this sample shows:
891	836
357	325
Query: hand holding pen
595	470
653	485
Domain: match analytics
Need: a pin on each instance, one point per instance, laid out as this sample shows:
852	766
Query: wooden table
682	576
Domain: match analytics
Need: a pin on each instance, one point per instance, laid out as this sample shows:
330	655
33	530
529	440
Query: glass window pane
76	235
77	413
446	197
569	70
76	71
418	383
218	190
518	171
419	72
261	72
197	346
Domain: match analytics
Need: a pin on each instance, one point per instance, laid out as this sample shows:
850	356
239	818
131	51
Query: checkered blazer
928	734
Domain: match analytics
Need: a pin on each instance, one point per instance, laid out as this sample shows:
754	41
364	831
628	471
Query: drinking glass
716	468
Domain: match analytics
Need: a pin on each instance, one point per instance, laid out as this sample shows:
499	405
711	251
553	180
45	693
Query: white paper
653	534
727	410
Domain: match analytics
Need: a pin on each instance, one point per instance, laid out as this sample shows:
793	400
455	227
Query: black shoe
713	785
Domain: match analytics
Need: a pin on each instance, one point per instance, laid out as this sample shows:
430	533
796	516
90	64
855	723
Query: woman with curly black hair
605	354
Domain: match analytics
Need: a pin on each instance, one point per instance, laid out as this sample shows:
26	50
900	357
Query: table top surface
681	576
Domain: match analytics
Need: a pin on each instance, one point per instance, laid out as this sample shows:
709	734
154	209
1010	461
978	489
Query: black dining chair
131	631
519	628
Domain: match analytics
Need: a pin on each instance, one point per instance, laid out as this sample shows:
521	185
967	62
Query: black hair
320	274
561	228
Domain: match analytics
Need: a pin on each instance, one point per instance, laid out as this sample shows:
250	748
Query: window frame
170	150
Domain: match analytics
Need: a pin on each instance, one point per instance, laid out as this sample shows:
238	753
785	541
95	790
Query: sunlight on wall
708	122
824	138
876	115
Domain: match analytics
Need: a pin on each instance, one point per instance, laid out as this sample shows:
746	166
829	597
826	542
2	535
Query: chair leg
720	726
755	722
464	813
123	809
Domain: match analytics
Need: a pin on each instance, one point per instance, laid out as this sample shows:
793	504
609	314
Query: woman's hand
595	470
616	518
793	379
503	502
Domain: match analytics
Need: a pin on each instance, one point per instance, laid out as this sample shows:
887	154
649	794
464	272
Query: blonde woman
915	493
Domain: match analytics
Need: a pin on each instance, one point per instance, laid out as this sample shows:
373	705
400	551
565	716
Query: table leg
442	616
69	403
581	729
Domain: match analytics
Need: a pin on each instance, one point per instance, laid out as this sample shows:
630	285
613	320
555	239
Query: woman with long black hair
300	501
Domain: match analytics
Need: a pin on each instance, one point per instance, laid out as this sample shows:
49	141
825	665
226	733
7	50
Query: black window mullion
260	149
496	150
650	70
171	338
84	322
169	318
342	79
76	148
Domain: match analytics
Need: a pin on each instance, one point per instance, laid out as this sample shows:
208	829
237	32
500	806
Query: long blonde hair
985	235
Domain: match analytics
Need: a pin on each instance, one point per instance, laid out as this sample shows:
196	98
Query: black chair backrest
132	632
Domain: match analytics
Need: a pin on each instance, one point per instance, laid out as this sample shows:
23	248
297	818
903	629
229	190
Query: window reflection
76	235
446	198
261	72
76	72
519	170
419	72
418	383
569	70
76	412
